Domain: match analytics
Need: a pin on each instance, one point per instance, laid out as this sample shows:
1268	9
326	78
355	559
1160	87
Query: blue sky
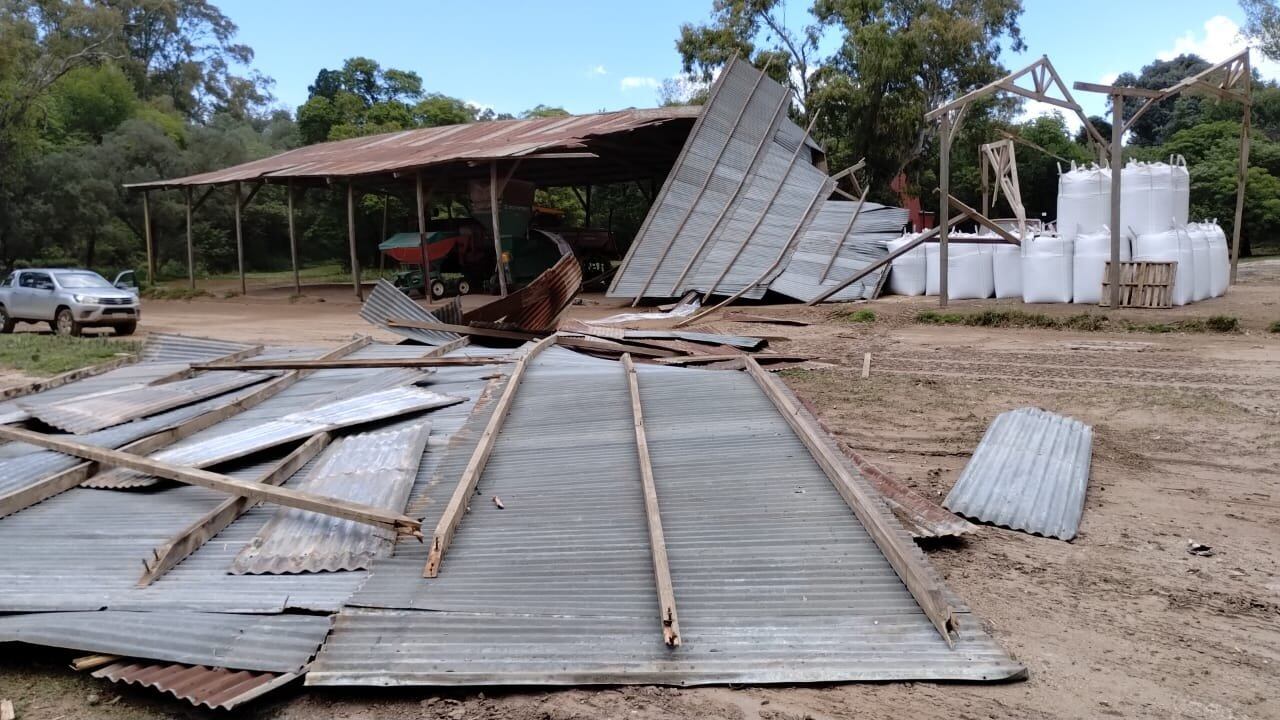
588	55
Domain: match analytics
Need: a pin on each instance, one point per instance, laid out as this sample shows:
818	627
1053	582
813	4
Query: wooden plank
750	318
190	370
1117	90
985	222
344	509
461	498
906	564
90	662
239	207
613	347
421	362
66	377
464	329
653	516
703	359
866	365
51	485
165	557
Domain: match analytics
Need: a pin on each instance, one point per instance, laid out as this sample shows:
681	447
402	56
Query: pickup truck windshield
82	280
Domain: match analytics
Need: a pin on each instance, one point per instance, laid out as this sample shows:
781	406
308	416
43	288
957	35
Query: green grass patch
1084	322
52	354
858	316
1275	327
159	292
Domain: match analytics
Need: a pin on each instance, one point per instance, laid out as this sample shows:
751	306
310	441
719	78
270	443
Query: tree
544	111
1262	25
1156	124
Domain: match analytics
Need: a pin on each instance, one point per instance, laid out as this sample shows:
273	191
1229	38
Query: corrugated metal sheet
536	306
1030	472
863	245
214	688
775	579
354	410
387	302
376	469
274	643
167	347
83	414
409	149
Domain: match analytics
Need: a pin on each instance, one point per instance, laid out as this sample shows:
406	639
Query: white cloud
1220	40
1035	108
635	83
479	106
1109	78
597	70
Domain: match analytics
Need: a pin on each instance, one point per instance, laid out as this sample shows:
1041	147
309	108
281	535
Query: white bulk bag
1084	200
1089	261
1171	245
1180	181
968	269
1219	259
1146	198
1046	269
1200	280
907	274
1006	269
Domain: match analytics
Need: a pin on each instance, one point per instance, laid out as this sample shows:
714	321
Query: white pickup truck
69	300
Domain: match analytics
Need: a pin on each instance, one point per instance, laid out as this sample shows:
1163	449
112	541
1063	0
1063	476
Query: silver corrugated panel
165	347
376	469
82	415
775	579
355	410
1030	472
865	244
387	302
136	374
738	341
271	643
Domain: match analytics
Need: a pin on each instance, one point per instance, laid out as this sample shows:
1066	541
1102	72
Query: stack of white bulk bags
1146	198
968	269
1199	239
1046	269
907	275
1090	256
1180	180
1219	259
1170	245
1084	200
1006	270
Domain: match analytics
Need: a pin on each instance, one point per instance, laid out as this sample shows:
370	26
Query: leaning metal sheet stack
775	579
865	244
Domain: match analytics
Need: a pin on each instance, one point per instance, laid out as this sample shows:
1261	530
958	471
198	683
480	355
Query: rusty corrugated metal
536	306
214	688
410	149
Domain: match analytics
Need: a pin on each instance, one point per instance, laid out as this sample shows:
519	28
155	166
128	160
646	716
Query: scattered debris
6	710
498	501
866	365
1200	549
749	318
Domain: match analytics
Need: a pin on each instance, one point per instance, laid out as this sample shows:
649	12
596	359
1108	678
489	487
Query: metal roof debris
215	688
536	306
1030	473
386	301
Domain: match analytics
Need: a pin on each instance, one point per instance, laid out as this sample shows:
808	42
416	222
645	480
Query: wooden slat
463	329
702	359
66	377
461	498
912	572
1143	284
90	662
419	362
194	536
657	540
358	512
190	370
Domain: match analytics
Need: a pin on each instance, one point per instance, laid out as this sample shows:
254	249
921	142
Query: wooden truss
999	167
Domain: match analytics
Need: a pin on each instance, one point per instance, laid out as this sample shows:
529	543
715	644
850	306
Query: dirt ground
1122	622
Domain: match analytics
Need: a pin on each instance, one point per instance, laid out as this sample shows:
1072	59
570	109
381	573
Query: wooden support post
165	557
146	236
1241	178
1117	170
332	507
239	241
904	560
944	185
293	243
653	517
351	240
586	216
191	245
494	217
422	236
461	498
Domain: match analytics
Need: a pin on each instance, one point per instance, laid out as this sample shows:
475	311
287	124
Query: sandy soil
1122	622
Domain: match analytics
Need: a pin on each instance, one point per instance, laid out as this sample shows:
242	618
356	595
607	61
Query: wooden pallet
1142	284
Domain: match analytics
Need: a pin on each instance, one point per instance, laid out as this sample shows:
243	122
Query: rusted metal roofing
536	306
412	149
1030	473
214	688
374	468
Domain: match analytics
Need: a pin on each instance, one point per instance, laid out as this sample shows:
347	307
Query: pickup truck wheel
126	329
64	323
6	322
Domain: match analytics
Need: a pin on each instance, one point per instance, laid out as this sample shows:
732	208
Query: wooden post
293	243
1241	178
422	238
586	220
146	233
351	239
944	184
239	242
497	230
1117	169
191	246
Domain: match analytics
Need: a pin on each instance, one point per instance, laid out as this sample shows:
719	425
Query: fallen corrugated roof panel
775	578
376	469
859	246
536	306
214	688
1030	472
422	147
82	414
168	347
271	643
386	301
208	451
